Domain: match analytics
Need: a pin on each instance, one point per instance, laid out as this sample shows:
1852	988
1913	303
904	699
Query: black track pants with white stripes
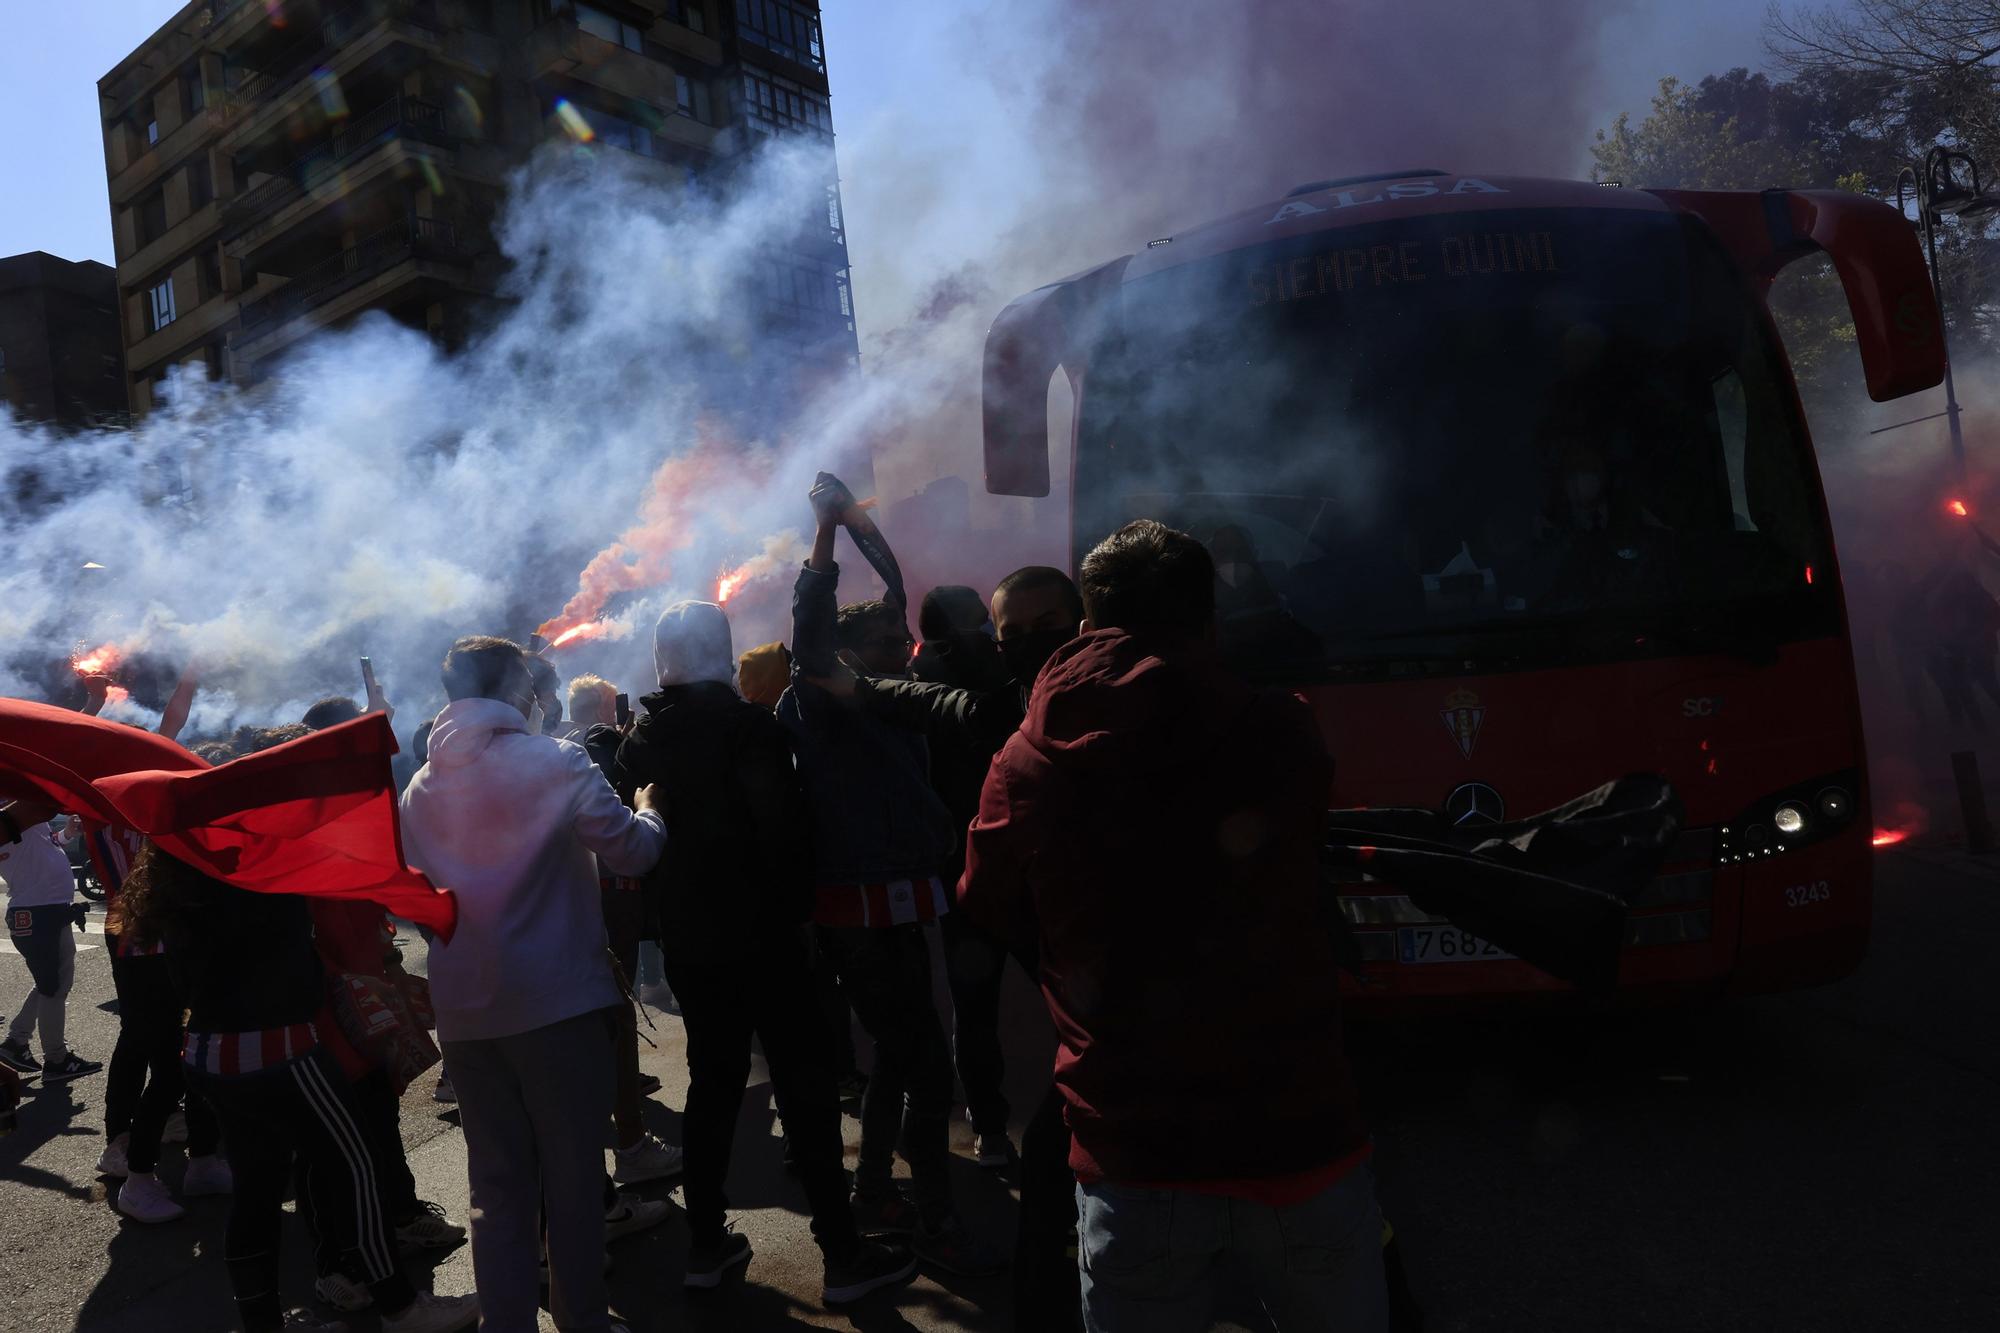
302	1108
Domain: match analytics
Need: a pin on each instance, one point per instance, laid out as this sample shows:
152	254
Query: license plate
1445	944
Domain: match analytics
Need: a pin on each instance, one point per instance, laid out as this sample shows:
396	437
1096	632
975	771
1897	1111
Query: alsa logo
1299	208
1463	715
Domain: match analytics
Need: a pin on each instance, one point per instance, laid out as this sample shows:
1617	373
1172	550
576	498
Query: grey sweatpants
533	1107
53	964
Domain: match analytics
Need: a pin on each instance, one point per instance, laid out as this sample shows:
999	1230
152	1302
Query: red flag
315	816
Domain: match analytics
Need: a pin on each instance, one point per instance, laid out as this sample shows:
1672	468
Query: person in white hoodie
516	824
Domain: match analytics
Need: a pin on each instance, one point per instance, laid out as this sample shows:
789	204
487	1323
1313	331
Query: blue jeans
1149	1258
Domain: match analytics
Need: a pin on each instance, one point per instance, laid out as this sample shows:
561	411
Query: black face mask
1028	653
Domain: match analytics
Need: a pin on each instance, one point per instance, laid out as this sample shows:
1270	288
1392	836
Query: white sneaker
144	1199
207	1175
434	1314
648	1159
443	1091
176	1128
343	1292
111	1162
633	1214
428	1229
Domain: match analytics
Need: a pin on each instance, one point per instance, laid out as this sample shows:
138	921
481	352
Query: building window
211	273
201	183
777	105
193	96
151	216
610	27
152	132
692	95
694	14
590	125
162	298
791	30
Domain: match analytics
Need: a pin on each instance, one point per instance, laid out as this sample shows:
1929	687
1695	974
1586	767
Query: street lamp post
1937	193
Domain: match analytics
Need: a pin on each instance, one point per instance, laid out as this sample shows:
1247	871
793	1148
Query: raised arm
175	715
814	604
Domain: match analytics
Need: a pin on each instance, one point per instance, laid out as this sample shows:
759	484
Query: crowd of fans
1059	775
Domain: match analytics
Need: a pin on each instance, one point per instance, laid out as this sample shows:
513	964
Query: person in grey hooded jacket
516	825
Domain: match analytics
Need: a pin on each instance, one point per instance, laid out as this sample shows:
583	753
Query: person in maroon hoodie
1151	835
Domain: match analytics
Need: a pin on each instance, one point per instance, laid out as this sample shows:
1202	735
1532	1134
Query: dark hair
854	622
420	741
948	609
154	888
215	752
1151	581
267	737
330	712
478	665
1033	578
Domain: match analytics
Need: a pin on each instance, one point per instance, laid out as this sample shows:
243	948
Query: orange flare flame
98	661
1958	507
1887	837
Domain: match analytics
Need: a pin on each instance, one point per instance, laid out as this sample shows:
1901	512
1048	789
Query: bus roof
1328	206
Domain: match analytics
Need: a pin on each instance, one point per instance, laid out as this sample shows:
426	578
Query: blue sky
52	160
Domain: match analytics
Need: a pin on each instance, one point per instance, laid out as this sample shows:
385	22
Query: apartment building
60	354
281	166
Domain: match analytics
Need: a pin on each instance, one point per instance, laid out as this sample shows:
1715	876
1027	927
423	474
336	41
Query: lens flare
470	105
573	121
332	101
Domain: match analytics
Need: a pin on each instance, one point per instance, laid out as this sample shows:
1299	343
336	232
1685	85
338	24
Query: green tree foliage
1742	131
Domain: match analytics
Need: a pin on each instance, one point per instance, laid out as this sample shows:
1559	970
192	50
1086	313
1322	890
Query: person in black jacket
959	651
1036	610
249	972
732	893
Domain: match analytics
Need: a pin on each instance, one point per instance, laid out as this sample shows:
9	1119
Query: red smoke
679	499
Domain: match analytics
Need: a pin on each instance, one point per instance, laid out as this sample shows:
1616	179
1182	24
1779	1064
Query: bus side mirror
1873	249
1036	334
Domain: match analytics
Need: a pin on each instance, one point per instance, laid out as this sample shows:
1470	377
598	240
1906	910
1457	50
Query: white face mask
535	719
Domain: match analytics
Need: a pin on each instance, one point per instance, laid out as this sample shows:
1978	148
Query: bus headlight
1790	819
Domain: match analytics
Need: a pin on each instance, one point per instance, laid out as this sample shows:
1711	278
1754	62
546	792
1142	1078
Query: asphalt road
1817	1161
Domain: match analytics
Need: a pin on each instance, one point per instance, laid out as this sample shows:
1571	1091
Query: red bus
1509	479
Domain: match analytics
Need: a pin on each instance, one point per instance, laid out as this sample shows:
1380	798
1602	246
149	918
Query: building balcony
144	171
559	49
356	278
135	269
382	138
263	100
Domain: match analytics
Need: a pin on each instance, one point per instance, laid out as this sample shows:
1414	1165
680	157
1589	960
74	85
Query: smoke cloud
376	496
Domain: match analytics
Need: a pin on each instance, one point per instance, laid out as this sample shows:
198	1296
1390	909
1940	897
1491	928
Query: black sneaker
14	1054
871	1267
71	1066
707	1263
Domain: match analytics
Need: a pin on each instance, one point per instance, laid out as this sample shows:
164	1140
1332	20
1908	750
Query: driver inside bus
1251	616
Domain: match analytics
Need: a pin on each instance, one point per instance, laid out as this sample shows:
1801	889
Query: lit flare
1887	837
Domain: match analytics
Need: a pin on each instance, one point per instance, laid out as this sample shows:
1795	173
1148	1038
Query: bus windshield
1468	440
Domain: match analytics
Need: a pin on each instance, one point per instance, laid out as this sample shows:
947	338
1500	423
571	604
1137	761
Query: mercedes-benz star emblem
1474	803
